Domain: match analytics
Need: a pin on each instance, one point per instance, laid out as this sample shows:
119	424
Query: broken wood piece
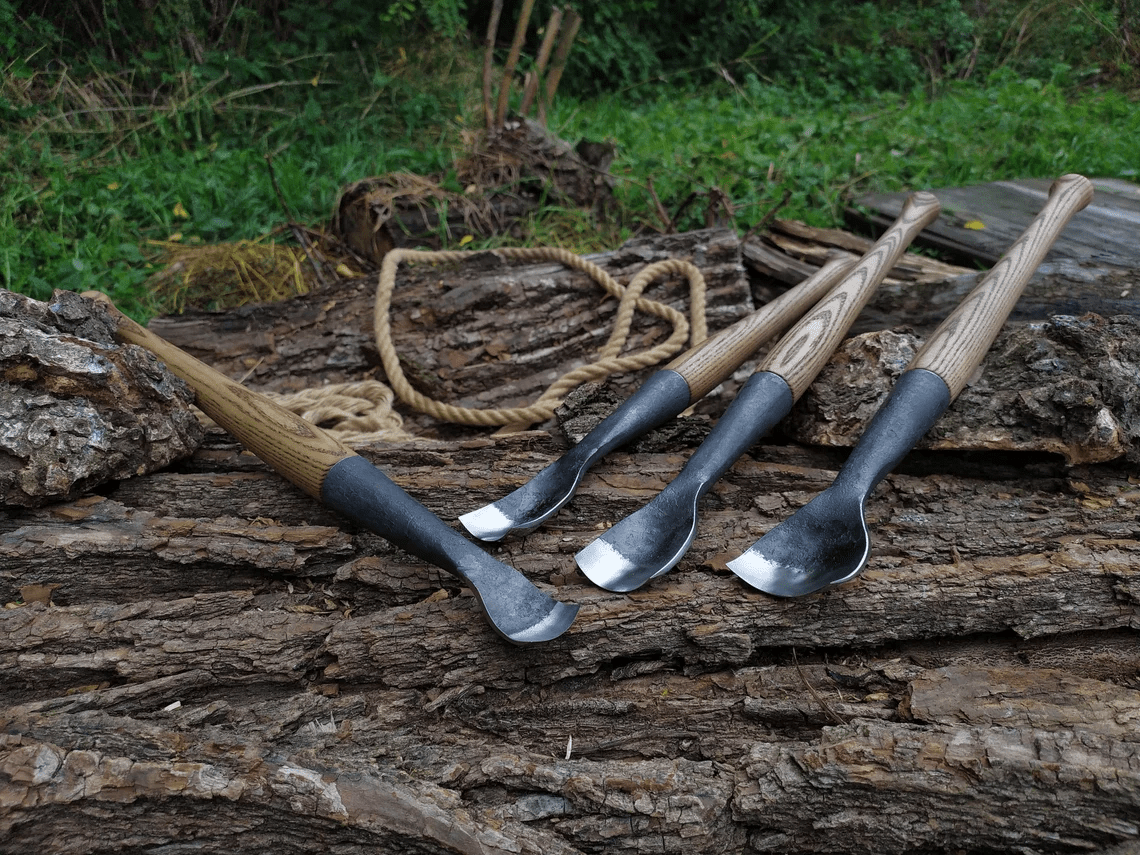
791	250
530	88
813	243
921	292
506	176
77	408
561	54
1067	387
981	221
489	62
512	60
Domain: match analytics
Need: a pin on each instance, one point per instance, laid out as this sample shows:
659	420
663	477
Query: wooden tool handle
803	351
300	451
714	359
957	347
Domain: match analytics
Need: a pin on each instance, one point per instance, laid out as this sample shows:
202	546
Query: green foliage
178	33
124	122
760	141
1068	42
858	46
96	155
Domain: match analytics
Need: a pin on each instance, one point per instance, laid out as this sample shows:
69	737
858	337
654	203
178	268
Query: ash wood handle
957	347
300	451
803	351
717	357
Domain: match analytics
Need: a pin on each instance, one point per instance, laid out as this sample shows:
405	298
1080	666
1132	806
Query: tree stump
207	658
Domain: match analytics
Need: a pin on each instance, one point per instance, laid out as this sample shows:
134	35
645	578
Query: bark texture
77	409
205	658
488	333
1068	386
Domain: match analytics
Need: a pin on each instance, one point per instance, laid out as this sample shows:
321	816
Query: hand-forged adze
653	539
667	392
826	541
343	480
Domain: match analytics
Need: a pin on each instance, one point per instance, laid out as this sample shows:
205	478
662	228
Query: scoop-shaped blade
328	470
823	543
652	540
661	397
514	606
643	545
826	541
666	393
534	502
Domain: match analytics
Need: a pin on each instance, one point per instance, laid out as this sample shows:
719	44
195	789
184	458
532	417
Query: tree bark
77	409
489	333
206	657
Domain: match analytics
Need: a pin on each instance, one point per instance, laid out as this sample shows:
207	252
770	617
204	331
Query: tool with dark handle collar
340	478
667	392
652	540
826	541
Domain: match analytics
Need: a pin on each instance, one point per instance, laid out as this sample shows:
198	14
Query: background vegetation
131	121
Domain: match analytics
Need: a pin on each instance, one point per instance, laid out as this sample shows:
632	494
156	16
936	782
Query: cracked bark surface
222	663
78	409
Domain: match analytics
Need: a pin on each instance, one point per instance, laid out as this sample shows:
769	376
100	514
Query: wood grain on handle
957	347
718	356
300	451
802	352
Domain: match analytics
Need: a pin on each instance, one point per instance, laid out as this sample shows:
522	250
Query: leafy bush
875	45
888	45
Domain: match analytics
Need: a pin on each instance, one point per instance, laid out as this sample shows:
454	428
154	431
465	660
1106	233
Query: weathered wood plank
1104	233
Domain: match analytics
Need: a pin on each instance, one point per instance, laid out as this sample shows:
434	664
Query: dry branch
540	61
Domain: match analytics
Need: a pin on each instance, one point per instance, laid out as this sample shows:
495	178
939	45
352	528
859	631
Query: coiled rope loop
608	361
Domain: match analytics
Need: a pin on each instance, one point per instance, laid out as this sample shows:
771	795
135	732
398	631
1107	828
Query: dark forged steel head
827	541
661	397
529	506
644	545
516	609
815	547
653	540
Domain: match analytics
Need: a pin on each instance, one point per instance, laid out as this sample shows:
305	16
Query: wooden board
1107	232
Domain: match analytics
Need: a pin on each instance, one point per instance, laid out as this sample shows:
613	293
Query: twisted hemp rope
608	361
357	413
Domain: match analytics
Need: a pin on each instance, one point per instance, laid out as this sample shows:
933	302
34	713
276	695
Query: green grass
69	222
760	141
84	188
90	173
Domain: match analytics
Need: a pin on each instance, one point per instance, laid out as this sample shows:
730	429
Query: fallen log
489	333
204	656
